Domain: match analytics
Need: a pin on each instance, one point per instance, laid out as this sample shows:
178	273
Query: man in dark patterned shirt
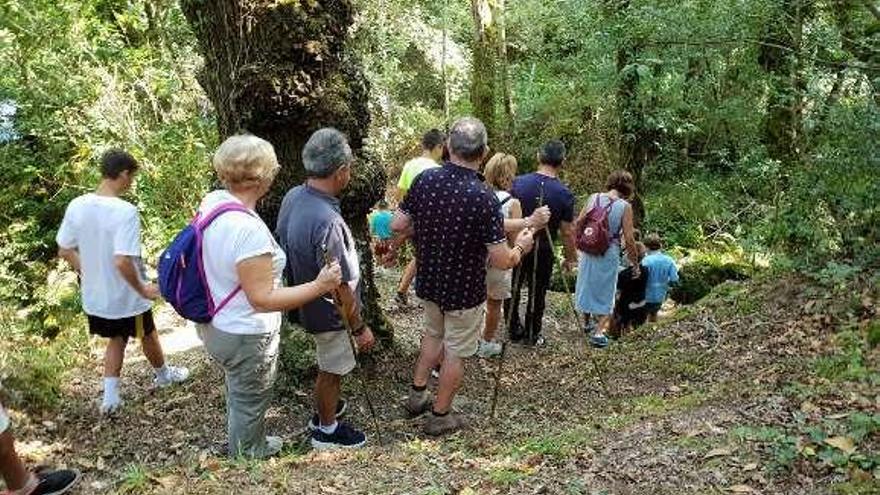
456	224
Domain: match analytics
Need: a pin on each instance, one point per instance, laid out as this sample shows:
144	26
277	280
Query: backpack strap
203	223
200	225
505	200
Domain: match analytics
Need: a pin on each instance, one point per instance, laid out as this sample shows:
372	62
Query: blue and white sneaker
346	436
600	341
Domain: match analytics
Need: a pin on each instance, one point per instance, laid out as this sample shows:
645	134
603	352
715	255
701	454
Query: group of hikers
480	240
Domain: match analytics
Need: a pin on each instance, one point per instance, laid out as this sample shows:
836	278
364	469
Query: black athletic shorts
133	326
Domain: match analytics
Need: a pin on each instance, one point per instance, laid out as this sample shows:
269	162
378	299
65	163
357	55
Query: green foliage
832	444
702	271
685	213
32	369
82	77
848	360
135	479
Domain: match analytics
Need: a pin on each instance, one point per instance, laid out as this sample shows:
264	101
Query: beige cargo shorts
334	352
459	329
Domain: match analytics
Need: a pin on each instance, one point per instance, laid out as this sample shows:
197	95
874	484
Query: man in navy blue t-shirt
533	190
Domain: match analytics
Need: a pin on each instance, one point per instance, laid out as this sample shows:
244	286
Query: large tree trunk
636	139
781	58
506	91
485	62
280	70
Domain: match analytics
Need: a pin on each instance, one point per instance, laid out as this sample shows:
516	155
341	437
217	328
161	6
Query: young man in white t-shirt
100	238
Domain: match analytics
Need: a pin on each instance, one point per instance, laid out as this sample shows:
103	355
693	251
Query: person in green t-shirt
432	152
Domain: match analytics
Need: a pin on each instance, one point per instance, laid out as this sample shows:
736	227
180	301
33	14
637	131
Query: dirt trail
684	398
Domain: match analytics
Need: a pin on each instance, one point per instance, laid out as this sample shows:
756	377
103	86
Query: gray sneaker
443	425
417	403
273	446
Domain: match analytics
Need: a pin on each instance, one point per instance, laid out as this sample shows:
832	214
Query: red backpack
593	232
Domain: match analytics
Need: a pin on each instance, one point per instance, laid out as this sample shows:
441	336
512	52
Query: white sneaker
489	349
176	374
110	407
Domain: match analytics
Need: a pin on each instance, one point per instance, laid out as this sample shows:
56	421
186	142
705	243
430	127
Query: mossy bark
485	63
780	57
281	70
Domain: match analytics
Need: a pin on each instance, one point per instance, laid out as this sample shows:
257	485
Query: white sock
163	372
111	389
331	429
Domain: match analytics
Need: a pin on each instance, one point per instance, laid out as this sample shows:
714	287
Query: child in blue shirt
661	273
380	228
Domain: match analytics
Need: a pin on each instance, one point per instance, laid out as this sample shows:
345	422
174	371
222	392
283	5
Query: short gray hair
467	138
326	152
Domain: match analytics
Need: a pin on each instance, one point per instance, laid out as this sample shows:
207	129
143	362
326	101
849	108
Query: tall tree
280	70
637	139
485	62
781	57
506	92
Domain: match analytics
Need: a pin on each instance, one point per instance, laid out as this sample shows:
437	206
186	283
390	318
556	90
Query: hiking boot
346	436
341	408
174	374
489	349
56	482
540	341
443	425
401	299
417	403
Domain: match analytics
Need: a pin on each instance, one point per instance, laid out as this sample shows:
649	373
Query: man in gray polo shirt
310	225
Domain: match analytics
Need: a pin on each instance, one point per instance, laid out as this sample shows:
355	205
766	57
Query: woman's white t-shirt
231	238
506	201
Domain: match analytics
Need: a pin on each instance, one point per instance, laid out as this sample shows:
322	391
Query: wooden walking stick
354	349
504	344
600	375
530	307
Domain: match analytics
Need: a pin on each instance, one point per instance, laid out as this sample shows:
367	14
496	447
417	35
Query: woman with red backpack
605	218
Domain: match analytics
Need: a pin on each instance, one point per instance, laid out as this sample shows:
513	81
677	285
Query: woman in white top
239	251
499	172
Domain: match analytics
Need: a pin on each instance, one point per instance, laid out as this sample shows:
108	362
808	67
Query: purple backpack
182	279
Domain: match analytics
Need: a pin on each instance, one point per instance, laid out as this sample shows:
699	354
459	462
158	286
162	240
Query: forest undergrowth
765	386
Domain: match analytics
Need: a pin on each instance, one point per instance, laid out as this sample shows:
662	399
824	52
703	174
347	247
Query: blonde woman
499	172
242	258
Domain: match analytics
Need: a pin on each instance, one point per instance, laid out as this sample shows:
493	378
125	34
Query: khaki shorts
498	283
459	329
4	419
334	352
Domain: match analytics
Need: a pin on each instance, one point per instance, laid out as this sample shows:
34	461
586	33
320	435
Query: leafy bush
702	272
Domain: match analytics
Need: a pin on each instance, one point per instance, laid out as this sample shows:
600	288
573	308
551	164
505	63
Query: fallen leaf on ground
843	443
750	466
741	489
718	452
808	407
